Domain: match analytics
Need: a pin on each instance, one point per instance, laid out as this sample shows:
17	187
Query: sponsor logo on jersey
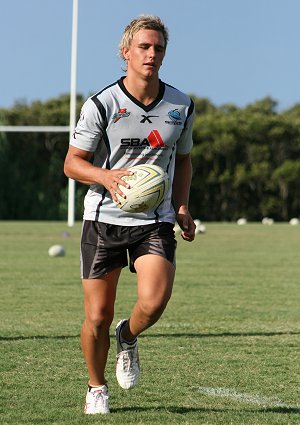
147	118
153	141
175	117
74	134
122	113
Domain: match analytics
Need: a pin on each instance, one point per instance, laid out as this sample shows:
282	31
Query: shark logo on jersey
153	141
122	113
175	117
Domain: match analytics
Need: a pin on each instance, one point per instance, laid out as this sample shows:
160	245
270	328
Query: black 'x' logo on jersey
147	118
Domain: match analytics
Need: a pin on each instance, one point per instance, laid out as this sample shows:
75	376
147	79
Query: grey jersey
122	132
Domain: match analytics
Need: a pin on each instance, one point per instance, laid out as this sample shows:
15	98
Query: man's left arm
181	192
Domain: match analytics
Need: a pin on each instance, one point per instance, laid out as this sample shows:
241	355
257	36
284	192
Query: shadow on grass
179	410
186	410
37	337
220	335
282	409
159	335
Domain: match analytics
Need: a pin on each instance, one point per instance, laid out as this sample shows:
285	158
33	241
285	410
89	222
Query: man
118	128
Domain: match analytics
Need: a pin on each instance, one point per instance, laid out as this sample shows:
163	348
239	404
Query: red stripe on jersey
155	139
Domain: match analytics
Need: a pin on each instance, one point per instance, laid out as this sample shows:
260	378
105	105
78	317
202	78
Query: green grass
226	350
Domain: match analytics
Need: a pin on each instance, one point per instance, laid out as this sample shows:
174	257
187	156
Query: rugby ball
148	186
56	251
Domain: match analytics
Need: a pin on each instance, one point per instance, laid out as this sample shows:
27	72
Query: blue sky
229	51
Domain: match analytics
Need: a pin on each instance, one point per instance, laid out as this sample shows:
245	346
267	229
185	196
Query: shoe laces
129	358
100	397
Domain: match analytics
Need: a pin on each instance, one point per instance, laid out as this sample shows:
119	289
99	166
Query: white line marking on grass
244	397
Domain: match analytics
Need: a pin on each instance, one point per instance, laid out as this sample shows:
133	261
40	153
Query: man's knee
153	309
99	319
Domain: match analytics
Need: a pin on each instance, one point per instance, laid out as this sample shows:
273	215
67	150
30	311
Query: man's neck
145	91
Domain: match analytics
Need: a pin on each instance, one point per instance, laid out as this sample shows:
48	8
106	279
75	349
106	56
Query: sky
228	51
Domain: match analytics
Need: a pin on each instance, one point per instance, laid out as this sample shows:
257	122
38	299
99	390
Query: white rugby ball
148	186
56	251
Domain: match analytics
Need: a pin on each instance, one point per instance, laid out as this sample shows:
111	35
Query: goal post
34	128
61	129
71	188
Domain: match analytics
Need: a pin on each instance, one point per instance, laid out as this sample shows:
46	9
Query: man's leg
155	277
99	300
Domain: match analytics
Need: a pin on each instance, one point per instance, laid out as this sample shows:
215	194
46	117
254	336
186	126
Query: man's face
146	53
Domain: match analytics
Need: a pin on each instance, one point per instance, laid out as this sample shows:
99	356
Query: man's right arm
78	167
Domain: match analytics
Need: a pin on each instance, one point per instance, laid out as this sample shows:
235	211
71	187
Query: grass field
226	351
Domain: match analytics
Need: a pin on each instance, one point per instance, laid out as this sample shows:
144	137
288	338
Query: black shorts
105	247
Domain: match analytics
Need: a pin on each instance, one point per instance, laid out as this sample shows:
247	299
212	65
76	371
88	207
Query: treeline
246	162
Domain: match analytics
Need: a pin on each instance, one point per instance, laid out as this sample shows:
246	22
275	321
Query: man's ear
125	53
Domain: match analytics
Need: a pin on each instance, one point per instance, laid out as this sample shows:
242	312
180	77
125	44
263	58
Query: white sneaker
128	365
96	401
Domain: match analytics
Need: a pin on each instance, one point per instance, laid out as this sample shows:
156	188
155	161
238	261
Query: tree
235	154
245	160
32	163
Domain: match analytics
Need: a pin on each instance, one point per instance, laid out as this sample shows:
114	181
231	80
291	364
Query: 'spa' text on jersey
138	143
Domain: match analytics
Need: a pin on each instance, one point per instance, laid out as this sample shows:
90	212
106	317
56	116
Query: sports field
226	351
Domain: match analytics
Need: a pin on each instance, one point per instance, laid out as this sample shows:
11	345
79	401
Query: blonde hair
143	22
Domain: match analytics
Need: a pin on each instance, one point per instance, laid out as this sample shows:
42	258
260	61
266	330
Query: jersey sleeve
185	142
88	130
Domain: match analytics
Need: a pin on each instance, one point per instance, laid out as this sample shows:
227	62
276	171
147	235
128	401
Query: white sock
99	387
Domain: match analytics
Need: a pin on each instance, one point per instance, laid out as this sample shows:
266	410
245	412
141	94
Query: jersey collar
137	102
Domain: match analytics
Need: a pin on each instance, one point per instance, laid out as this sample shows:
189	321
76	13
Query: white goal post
61	129
34	128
